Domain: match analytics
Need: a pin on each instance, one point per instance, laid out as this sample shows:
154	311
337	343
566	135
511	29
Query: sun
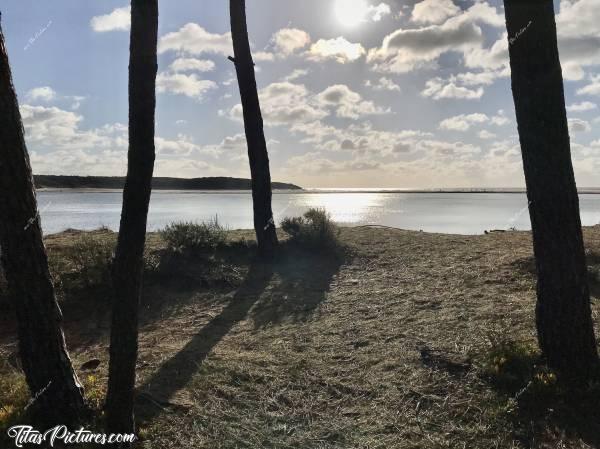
351	12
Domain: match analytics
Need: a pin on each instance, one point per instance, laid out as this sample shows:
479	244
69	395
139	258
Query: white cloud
485	134
45	94
289	103
593	88
582	107
181	84
55	128
289	40
192	65
578	36
463	122
378	12
195	40
579	126
383	83
283	103
297	73
76	101
434	11
438	89
263	56
347	103
405	50
315	163
118	20
338	49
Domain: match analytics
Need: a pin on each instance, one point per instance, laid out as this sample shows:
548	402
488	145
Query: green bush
90	256
182	236
314	230
510	364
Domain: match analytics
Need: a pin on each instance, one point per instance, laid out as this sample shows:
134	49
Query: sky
354	93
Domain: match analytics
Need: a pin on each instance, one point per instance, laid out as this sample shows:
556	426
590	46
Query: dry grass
406	342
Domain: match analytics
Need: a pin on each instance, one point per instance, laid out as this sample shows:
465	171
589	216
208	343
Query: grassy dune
400	340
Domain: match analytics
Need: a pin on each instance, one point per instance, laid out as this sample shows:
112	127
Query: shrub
510	364
182	236
314	230
90	256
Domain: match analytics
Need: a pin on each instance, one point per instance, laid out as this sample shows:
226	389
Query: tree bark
564	320
128	263
57	393
264	224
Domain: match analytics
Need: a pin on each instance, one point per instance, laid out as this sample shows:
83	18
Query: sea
447	212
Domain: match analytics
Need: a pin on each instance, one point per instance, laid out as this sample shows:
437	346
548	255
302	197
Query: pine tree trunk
564	321
45	360
128	264
255	136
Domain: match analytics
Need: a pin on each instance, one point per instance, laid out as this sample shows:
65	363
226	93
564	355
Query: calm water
455	213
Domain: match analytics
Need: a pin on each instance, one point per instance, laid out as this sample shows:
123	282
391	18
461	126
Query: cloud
338	49
283	103
592	88
263	56
181	84
582	107
360	138
579	126
297	73
192	65
493	58
45	94
438	89
118	20
195	40
484	134
347	103
289	40
376	13
405	50
463	122
315	163
434	11
288	103
55	128
578	36
383	83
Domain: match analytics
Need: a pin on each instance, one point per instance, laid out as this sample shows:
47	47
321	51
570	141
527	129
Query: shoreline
582	191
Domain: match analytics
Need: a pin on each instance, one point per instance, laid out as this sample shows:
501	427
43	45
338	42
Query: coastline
317	190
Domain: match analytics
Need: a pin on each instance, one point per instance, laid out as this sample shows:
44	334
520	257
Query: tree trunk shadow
175	373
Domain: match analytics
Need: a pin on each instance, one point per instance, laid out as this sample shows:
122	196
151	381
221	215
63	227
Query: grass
409	340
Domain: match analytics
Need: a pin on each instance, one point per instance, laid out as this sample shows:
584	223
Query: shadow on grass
544	411
297	283
526	266
303	279
175	374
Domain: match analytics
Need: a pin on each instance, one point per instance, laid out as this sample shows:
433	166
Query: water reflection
455	213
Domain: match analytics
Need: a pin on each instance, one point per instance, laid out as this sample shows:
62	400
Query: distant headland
158	183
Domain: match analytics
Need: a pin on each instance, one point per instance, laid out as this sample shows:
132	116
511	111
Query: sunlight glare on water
348	208
451	213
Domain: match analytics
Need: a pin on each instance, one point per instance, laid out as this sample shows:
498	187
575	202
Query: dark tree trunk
564	321
264	224
46	363
128	263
